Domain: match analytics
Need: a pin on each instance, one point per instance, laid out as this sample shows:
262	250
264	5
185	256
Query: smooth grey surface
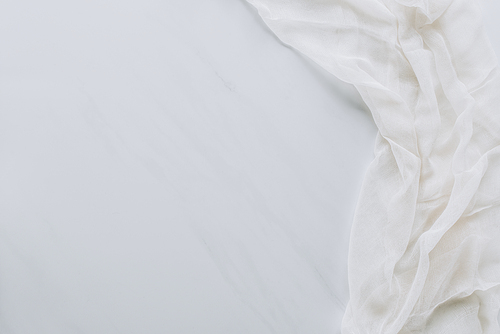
170	167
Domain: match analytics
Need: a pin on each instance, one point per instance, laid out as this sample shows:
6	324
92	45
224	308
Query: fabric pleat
424	253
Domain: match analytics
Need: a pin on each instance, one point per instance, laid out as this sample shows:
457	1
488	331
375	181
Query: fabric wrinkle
424	252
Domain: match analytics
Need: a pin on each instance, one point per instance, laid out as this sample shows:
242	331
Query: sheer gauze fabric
424	251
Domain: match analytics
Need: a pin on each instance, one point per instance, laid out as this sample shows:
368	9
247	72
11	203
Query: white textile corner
424	250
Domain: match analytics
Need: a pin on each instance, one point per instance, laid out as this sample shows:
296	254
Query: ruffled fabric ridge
424	251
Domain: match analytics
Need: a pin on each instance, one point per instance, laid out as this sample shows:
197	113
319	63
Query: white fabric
424	255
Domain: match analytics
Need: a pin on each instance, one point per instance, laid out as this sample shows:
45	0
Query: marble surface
171	167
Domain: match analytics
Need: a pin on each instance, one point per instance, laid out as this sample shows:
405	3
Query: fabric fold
424	250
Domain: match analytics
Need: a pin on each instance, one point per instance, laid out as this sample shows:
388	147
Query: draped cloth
424	251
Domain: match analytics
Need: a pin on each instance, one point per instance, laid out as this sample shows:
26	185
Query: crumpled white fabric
424	249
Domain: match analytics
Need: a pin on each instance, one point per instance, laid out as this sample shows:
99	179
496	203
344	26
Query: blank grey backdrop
170	167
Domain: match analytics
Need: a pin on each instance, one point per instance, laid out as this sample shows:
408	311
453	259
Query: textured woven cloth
424	249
